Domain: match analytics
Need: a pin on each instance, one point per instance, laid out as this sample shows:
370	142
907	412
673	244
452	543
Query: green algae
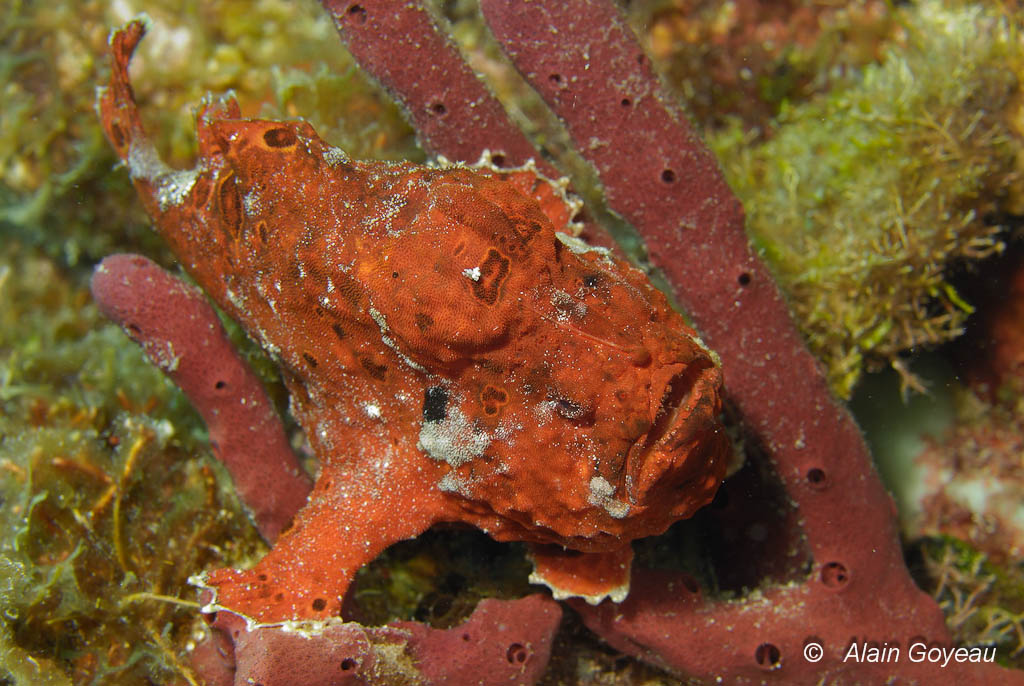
744	60
983	602
864	198
110	497
351	113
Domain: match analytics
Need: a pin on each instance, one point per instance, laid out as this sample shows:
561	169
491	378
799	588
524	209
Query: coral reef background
877	150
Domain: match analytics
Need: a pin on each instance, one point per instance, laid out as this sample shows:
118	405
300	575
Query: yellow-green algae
863	198
110	498
983	603
744	59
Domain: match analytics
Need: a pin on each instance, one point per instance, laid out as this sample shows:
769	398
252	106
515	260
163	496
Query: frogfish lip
682	412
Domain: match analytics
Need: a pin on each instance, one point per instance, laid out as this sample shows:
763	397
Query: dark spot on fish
526	230
377	371
349	289
117	134
423	321
577	411
435	401
493	398
201	193
493	271
280	138
230	204
494	394
568	409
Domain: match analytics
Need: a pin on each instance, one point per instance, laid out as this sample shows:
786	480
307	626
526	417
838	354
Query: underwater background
876	148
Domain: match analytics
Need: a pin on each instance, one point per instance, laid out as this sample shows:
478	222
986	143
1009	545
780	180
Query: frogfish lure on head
450	354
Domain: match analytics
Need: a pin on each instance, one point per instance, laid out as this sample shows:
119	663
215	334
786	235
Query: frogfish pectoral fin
591	576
